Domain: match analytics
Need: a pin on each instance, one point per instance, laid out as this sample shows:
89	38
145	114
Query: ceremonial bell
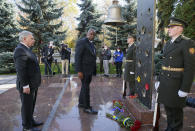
114	15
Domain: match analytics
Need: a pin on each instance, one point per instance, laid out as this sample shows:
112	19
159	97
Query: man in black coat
101	58
85	65
177	73
47	54
129	74
28	79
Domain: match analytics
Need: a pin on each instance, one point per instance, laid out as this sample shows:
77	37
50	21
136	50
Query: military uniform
129	74
177	73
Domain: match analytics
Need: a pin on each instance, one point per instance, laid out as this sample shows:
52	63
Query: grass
72	71
111	71
42	68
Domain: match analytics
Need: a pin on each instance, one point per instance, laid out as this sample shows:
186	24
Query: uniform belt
128	60
172	69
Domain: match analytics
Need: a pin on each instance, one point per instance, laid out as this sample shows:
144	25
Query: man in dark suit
69	57
85	65
28	79
129	74
47	54
101	58
177	73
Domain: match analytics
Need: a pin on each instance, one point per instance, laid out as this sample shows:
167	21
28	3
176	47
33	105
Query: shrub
6	62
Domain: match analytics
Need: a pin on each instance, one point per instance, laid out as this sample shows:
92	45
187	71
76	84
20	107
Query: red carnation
137	123
147	86
136	126
133	128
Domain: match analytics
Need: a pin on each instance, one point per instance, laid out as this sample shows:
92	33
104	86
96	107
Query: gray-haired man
28	79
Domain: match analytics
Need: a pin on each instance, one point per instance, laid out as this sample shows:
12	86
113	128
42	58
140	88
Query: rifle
124	88
156	116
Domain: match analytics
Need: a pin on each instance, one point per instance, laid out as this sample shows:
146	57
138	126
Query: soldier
129	75
177	73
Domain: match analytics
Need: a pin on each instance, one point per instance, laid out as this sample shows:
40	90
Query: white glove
182	94
156	85
131	73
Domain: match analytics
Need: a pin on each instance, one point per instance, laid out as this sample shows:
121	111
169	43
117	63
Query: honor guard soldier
177	73
129	74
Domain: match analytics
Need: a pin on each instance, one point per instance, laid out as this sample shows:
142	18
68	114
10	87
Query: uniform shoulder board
185	38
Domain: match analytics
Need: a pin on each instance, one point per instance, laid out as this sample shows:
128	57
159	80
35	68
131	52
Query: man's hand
182	94
26	90
80	75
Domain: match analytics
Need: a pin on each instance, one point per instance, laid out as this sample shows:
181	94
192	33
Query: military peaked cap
131	36
177	22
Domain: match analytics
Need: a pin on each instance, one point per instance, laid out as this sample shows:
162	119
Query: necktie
92	47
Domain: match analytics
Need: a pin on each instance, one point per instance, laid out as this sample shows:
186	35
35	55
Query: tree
165	9
8	28
40	17
70	12
6	62
186	11
8	39
183	9
89	18
129	13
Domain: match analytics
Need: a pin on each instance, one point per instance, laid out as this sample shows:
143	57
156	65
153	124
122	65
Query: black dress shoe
36	123
31	129
124	96
90	111
106	75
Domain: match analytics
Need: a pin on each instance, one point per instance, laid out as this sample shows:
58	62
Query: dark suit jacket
47	53
180	54
130	66
65	53
27	68
106	54
85	57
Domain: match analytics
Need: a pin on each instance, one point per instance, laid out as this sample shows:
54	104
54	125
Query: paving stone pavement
67	115
7	82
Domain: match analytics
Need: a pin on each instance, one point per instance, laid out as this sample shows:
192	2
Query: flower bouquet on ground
118	115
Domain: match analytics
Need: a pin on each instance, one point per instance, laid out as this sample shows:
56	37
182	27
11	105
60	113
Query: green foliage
186	11
165	9
7	27
158	63
42	17
42	68
72	71
6	62
129	13
8	37
119	116
89	18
